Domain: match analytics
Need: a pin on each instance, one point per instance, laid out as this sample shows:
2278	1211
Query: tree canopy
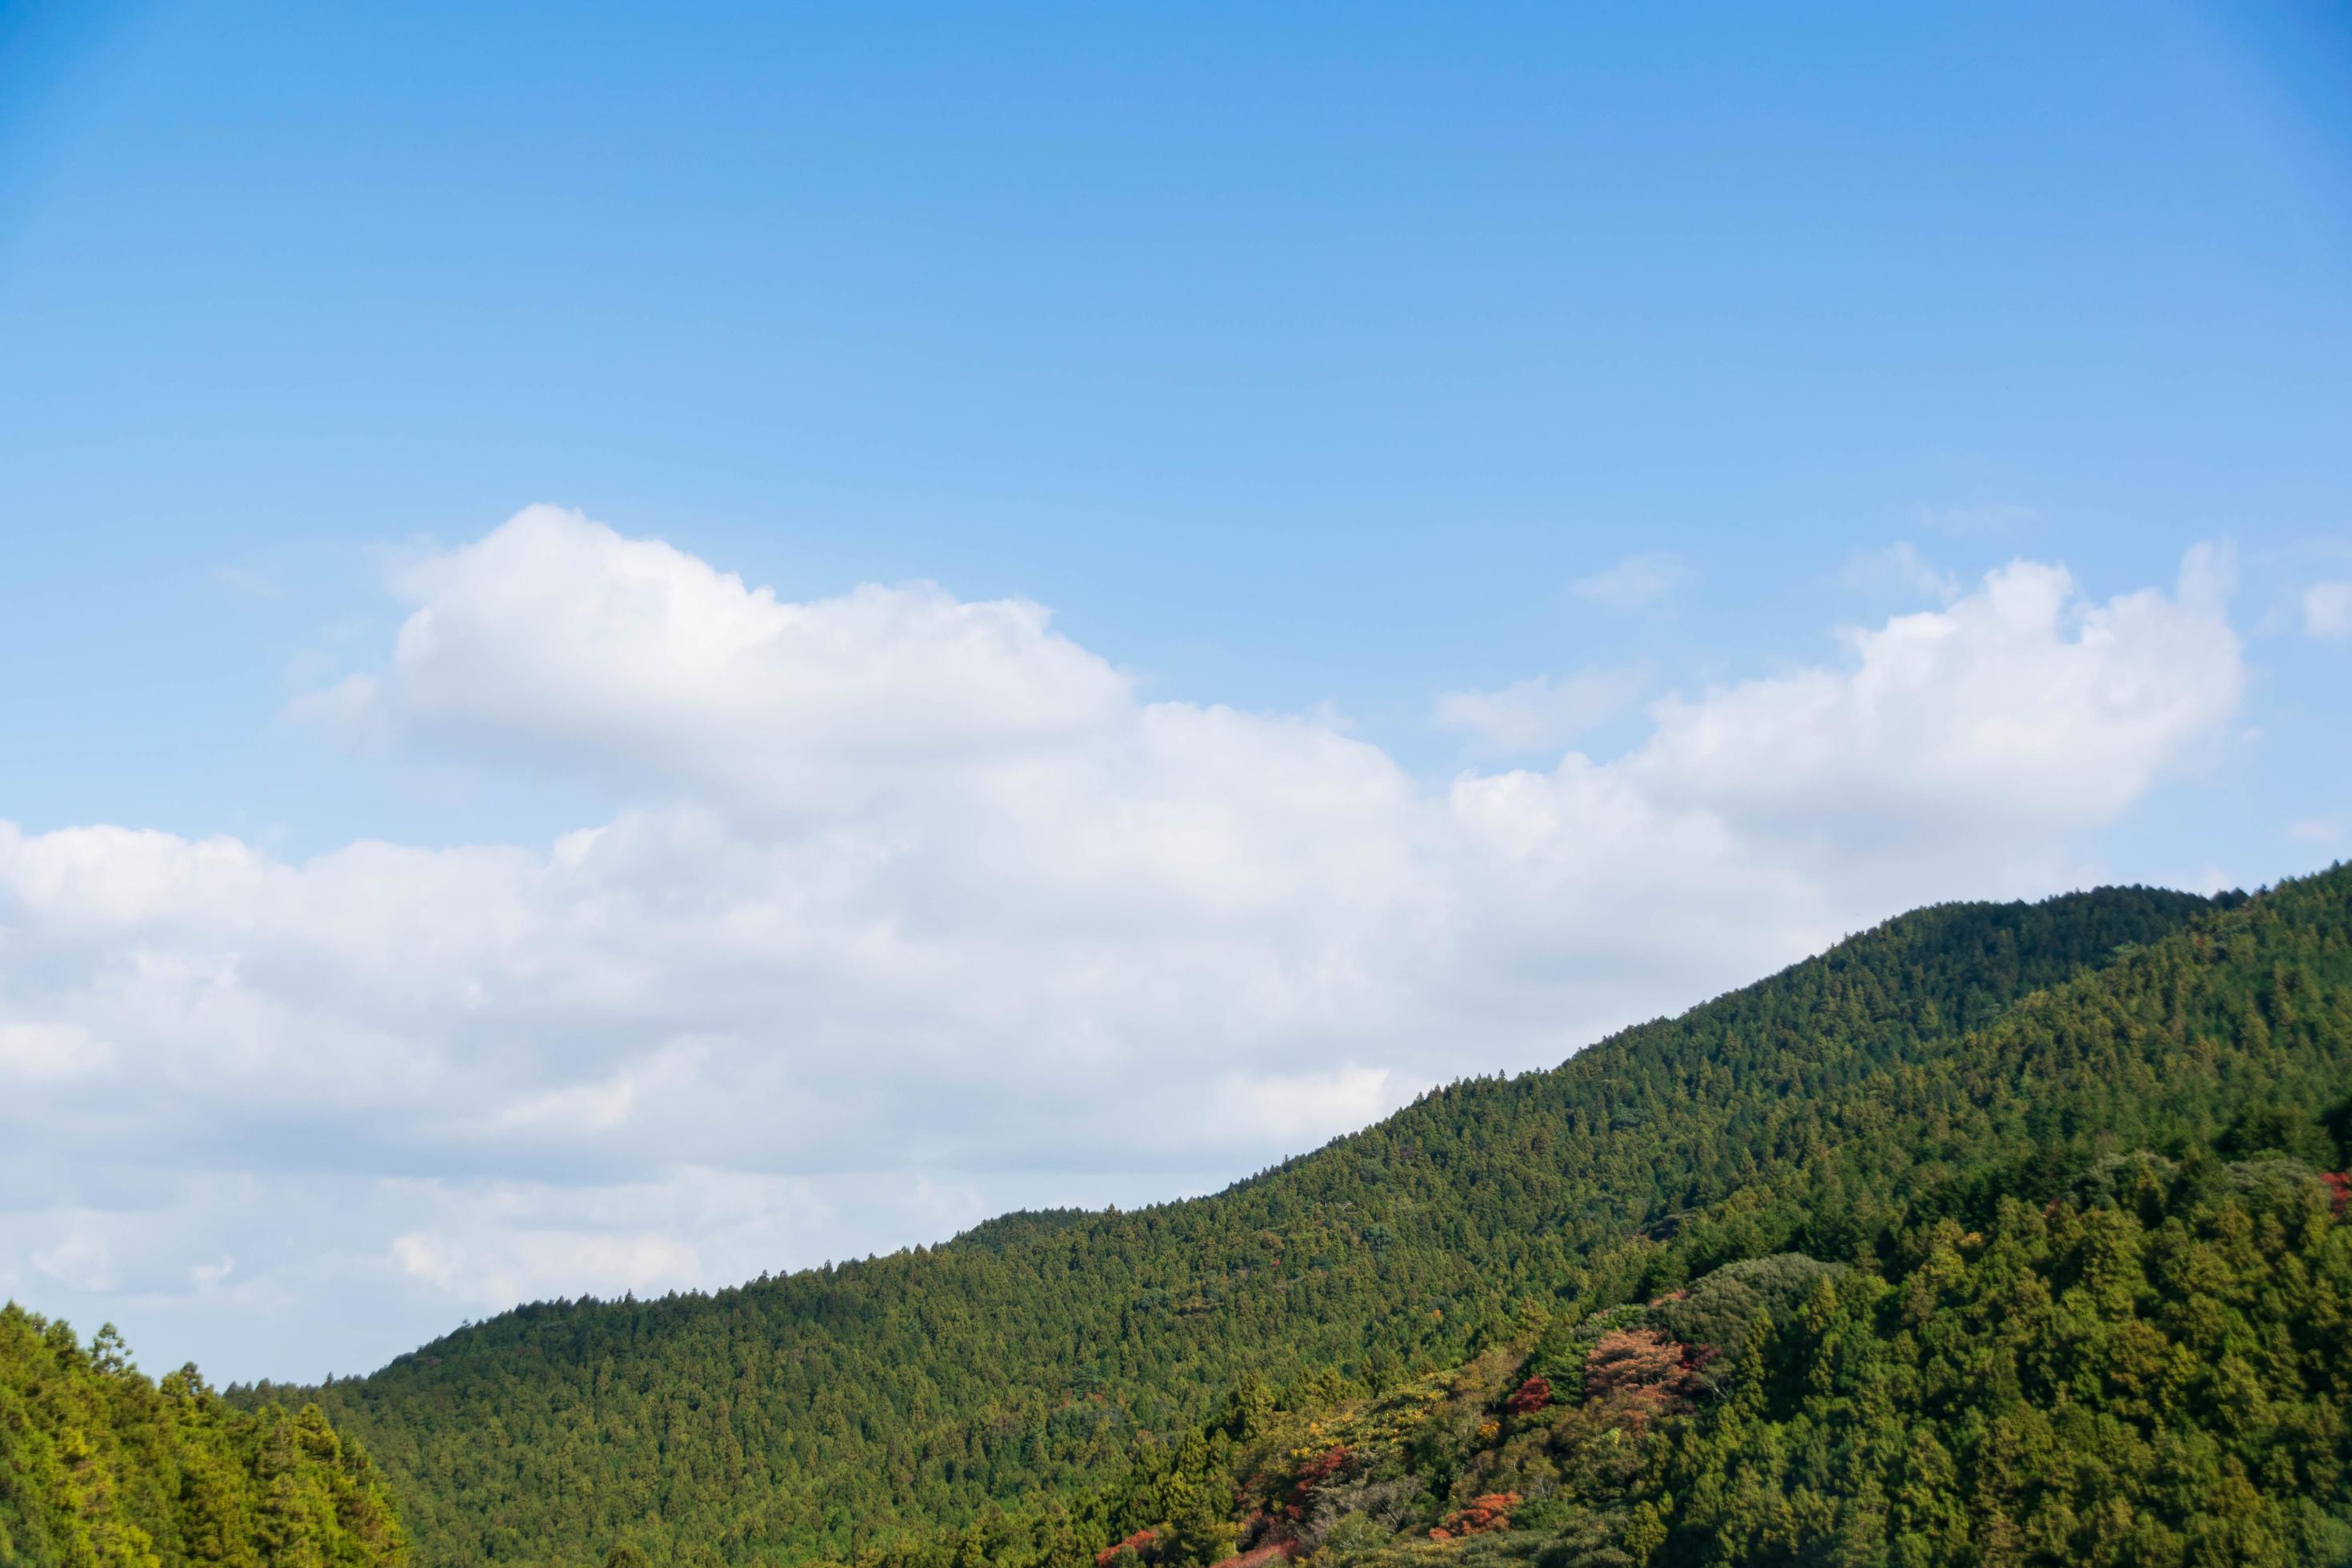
1008	1396
101	1467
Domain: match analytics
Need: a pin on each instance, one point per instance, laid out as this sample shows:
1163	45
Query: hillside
2147	1369
2143	1364
101	1467
1946	1063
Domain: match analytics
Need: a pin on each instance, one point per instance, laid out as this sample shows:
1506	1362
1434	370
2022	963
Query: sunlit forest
2002	1233
104	1467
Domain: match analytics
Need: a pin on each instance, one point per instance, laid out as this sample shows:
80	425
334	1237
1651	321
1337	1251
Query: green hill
100	1468
1950	1066
2148	1369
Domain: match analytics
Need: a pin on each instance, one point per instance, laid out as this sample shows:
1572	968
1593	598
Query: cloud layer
911	908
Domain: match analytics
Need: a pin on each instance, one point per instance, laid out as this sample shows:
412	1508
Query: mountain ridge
878	1398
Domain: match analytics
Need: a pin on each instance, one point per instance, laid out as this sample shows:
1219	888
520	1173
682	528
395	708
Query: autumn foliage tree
1530	1397
1642	1372
1487	1512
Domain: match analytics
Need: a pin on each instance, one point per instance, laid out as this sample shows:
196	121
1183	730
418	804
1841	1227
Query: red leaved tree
1314	1473
1136	1543
1532	1396
1481	1514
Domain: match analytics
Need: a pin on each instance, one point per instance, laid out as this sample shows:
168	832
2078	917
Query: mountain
2147	1369
1050	1384
100	1466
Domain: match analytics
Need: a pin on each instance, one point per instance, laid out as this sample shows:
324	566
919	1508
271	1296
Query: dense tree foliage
1871	1163
2151	1378
2150	1369
100	1468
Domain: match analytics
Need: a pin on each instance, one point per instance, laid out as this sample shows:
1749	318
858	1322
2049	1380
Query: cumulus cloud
1635	581
910	910
2018	708
556	639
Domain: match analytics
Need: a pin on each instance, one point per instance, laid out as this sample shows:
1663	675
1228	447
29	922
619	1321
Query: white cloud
2210	880
1300	1109
1637	579
78	1260
1544	713
915	911
555	637
492	1243
2018	708
2327	610
510	1265
603	1105
51	1053
1900	569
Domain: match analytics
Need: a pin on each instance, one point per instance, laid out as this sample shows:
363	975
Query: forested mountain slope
100	1468
1950	1062
2147	1370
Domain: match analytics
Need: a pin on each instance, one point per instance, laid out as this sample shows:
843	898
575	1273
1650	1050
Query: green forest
2000	1233
101	1467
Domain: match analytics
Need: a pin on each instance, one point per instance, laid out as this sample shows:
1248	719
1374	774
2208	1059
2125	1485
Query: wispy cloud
1900	569
1543	713
1637	579
2327	610
1974	522
249	581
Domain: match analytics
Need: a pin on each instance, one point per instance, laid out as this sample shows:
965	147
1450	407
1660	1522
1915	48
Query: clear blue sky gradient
1291	353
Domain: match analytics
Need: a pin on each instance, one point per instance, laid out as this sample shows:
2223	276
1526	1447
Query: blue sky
1303	360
